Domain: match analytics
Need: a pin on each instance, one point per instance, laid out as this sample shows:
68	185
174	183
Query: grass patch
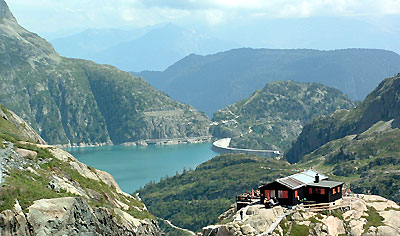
140	214
319	216
299	230
8	131
226	221
285	226
373	219
336	213
26	187
314	220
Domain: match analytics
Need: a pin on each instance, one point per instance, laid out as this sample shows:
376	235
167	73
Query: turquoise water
133	167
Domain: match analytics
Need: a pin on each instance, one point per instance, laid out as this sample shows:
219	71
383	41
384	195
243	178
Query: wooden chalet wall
287	200
323	194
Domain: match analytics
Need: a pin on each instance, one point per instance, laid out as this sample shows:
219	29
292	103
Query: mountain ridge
273	117
149	48
75	102
240	72
5	12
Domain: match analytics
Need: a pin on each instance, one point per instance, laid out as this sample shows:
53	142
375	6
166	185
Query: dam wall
222	146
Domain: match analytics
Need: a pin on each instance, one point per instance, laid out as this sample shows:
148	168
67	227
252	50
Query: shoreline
147	142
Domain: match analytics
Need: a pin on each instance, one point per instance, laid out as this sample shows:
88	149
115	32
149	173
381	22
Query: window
273	194
338	189
283	194
322	191
334	191
316	190
310	191
267	194
296	193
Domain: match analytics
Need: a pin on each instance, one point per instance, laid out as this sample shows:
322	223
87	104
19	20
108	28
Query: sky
316	24
51	16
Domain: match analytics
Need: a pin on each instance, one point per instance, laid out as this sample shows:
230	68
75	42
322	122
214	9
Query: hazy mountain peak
21	42
5	12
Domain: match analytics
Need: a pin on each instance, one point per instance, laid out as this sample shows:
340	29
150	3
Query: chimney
316	178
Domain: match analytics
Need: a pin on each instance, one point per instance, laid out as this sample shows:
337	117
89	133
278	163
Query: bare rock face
13	222
360	215
72	216
5	12
256	220
335	225
23	126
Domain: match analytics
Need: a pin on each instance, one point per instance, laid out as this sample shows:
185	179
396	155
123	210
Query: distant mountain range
273	117
149	48
71	101
87	44
212	82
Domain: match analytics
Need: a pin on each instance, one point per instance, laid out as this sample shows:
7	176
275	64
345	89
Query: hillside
273	117
359	147
212	82
369	161
71	101
380	105
196	198
46	191
210	189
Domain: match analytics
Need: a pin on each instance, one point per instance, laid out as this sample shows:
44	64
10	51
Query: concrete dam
222	146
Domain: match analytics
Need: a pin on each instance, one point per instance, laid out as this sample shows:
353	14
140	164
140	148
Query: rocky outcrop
5	12
251	220
363	215
58	194
23	127
71	216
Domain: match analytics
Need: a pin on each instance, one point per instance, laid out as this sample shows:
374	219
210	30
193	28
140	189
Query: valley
135	166
138	148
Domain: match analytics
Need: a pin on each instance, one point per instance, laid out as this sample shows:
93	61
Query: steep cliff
46	191
71	101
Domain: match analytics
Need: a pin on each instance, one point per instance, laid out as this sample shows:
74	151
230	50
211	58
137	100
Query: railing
244	198
345	203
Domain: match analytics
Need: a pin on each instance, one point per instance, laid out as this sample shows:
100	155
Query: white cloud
52	15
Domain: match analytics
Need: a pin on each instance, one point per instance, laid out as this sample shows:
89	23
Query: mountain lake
133	167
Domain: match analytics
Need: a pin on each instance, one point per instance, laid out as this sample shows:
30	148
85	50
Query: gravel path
4	153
